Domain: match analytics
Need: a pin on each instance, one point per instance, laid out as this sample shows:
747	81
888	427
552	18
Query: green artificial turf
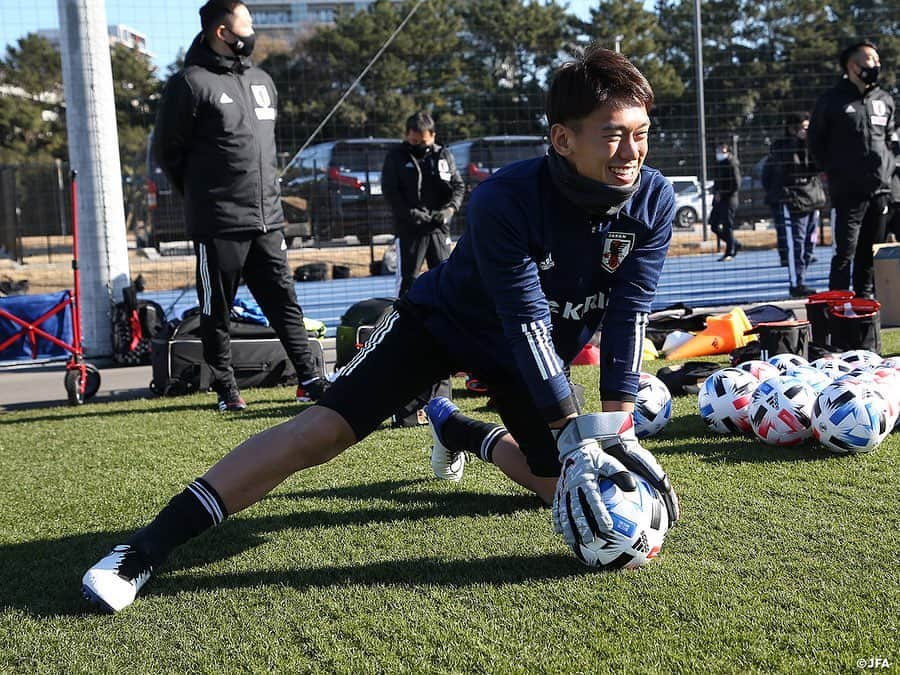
785	559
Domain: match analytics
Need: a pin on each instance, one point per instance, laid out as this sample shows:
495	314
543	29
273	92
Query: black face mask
243	46
417	151
869	75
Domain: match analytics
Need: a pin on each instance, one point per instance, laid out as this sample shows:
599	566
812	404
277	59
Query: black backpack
135	322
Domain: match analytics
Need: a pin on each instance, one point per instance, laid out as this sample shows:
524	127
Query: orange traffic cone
588	356
723	333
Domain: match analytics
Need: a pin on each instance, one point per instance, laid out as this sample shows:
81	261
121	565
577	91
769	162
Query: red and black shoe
312	390
230	400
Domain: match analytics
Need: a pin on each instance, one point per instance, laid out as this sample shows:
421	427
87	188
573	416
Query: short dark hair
598	76
213	13
795	119
420	121
852	49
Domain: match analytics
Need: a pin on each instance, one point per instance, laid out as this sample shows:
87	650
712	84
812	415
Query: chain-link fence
480	68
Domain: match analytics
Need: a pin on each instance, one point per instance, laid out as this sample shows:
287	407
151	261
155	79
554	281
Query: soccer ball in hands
724	399
640	523
781	410
652	406
847	418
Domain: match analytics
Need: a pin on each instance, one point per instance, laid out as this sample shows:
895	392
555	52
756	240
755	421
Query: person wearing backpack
794	190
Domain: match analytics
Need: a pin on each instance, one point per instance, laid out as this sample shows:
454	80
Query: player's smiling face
609	145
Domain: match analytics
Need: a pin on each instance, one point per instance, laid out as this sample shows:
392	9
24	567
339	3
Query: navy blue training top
534	276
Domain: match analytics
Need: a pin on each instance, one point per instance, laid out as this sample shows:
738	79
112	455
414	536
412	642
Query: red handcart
82	380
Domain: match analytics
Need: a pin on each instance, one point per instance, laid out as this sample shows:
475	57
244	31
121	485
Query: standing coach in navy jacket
215	139
555	246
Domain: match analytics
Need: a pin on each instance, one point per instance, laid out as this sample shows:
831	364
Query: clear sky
168	24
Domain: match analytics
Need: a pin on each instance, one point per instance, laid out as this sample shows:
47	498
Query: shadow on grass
689	435
43	577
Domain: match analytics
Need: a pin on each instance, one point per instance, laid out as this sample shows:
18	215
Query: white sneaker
446	464
116	579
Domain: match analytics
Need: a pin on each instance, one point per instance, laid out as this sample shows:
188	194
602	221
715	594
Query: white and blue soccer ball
833	366
640	522
815	378
861	358
891	362
849	419
781	410
761	370
784	362
724	400
652	406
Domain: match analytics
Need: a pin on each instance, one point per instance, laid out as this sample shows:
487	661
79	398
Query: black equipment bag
775	337
686	378
257	356
357	325
818	306
855	324
311	272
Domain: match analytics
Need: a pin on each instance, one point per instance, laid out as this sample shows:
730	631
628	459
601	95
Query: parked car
687	200
478	158
165	208
337	186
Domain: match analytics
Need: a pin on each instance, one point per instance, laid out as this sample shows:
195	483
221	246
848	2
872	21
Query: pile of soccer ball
849	402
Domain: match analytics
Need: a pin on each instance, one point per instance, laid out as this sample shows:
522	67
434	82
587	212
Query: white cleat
115	580
446	464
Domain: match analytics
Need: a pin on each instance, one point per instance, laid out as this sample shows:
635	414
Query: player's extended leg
350	410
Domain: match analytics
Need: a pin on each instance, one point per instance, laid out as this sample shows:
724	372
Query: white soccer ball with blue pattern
847	419
652	406
781	410
640	523
891	362
861	358
724	400
761	370
784	362
833	366
814	377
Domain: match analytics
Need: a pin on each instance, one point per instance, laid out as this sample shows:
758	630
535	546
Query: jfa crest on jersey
264	109
615	248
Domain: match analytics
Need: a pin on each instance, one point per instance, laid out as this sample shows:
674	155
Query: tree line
482	67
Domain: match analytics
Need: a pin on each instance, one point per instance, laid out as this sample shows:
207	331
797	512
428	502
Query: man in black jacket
850	133
796	194
215	139
727	182
424	188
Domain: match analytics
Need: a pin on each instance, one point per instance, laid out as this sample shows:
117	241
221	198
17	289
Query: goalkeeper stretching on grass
555	246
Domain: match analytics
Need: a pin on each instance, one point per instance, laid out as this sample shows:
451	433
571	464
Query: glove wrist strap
593	427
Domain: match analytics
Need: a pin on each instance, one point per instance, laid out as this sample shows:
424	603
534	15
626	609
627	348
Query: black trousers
857	223
721	222
401	351
262	262
432	248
